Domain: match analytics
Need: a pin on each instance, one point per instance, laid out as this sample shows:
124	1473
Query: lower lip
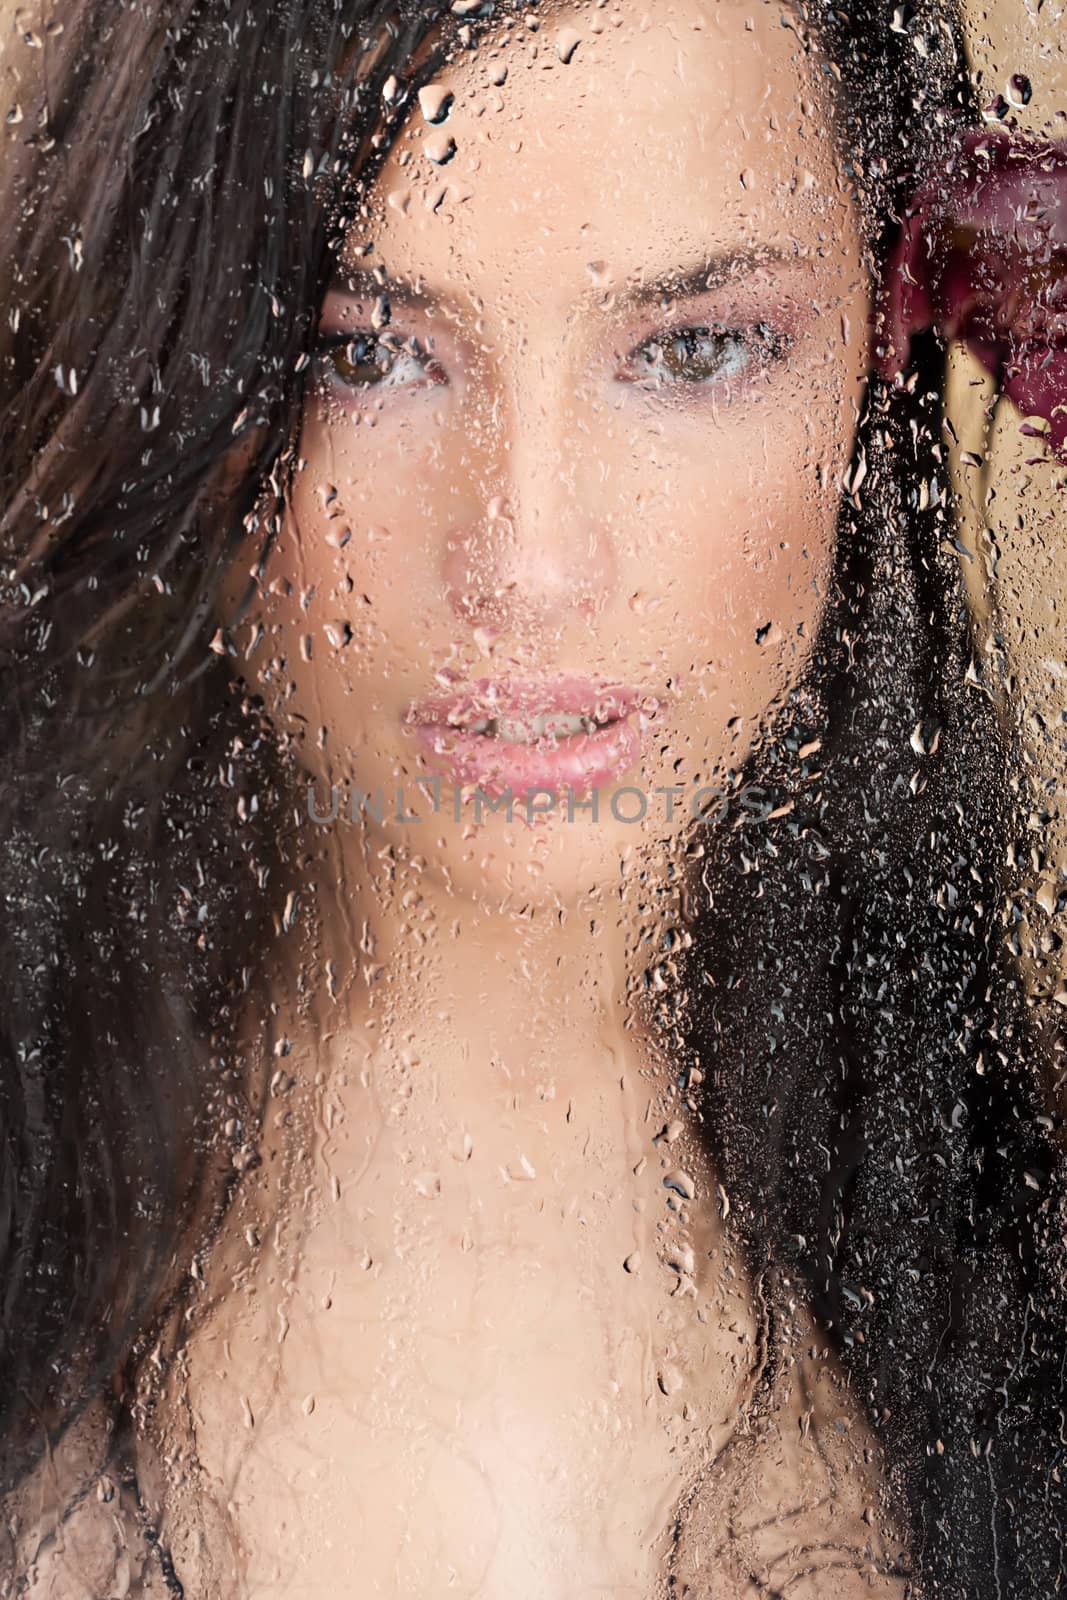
578	762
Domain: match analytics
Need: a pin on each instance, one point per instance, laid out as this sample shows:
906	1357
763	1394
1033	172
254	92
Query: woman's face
572	443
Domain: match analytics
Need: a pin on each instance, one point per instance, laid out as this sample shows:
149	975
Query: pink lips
554	760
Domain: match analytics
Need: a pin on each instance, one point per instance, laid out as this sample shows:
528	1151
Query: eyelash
763	344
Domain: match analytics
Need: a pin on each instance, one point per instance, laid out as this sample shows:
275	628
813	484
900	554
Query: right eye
361	359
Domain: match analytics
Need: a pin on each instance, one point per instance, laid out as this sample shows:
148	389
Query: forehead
605	134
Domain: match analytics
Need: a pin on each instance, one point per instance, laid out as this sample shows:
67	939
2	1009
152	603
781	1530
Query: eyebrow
676	283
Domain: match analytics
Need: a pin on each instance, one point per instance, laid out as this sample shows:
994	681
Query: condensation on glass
532	910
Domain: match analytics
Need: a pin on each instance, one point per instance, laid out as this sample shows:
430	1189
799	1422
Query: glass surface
532	889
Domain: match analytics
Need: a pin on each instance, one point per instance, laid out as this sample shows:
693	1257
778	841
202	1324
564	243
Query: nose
534	554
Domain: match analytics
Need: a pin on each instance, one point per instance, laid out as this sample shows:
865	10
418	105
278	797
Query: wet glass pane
533	862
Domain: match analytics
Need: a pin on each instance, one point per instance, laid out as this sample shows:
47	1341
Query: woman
449	510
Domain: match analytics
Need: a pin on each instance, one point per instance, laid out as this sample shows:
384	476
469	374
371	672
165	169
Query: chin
555	854
550	862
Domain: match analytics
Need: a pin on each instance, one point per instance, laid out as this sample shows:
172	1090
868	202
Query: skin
420	1364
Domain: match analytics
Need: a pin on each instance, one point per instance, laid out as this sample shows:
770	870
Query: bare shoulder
73	1530
794	1504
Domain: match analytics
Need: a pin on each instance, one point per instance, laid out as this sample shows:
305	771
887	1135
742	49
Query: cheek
346	562
747	516
320	637
368	510
755	533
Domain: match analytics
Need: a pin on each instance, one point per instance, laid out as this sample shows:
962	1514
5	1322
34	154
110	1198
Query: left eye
362	360
705	355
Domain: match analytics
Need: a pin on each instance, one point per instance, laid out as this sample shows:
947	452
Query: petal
982	257
1037	385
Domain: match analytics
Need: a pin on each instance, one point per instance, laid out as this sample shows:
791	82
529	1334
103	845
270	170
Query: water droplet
1019	89
681	1183
435	102
440	148
681	1258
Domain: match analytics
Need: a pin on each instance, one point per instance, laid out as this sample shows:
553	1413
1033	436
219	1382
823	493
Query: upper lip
529	697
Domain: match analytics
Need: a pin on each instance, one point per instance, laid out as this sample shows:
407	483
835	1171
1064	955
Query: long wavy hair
871	1073
173	204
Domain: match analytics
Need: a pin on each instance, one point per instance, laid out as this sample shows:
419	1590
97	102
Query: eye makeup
691	342
360	358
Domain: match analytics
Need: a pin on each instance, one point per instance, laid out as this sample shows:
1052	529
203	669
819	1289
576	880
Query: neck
484	981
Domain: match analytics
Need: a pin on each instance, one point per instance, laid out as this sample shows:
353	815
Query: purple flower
982	257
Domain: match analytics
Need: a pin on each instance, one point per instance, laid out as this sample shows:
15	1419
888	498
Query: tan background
1014	518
